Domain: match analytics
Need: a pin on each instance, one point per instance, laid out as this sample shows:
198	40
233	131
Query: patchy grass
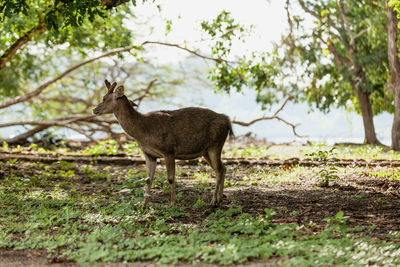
88	213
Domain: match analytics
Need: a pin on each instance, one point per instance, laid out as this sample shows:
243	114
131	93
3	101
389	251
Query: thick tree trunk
367	115
394	64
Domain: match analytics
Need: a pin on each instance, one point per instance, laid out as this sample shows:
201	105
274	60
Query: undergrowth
93	228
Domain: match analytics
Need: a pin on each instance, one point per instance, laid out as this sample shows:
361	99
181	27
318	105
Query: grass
299	151
110	147
89	229
88	214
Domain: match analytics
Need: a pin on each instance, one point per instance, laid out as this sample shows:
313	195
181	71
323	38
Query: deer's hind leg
170	165
151	164
213	157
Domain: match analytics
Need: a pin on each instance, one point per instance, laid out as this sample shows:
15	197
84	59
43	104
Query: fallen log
124	160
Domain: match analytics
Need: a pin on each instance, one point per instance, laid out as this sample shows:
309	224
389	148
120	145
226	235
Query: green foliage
59	14
78	25
313	64
395	4
90	232
250	151
255	72
131	148
99	223
331	75
5	146
327	172
106	147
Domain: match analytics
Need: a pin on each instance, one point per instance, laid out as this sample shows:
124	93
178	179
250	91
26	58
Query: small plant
200	204
5	146
321	155
12	162
338	222
327	172
64	165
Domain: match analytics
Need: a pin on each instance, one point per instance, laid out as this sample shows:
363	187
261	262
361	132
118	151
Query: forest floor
312	208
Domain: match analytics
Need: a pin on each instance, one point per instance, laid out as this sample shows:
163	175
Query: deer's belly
183	156
189	156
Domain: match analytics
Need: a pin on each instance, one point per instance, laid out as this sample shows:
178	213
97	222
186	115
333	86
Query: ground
49	209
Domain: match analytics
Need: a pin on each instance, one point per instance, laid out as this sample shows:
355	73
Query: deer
182	134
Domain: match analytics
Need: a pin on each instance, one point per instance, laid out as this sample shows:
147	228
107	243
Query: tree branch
275	116
12	50
346	24
146	91
317	16
219	60
39	90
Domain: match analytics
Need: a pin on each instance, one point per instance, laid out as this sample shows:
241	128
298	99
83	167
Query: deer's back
190	131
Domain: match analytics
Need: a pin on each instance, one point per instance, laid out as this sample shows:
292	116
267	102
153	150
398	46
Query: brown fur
185	133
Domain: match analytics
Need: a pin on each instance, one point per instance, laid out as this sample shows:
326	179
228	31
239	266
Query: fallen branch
275	116
134	160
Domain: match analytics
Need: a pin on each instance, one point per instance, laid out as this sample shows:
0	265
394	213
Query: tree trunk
394	64
366	112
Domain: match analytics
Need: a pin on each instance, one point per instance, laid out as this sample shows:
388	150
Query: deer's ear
111	88
119	91
108	84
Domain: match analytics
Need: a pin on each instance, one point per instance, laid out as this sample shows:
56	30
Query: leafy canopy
77	25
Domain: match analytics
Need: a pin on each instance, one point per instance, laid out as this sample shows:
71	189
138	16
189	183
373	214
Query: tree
343	57
64	100
332	56
53	24
394	63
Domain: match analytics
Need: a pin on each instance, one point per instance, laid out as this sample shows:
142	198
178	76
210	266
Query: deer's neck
128	117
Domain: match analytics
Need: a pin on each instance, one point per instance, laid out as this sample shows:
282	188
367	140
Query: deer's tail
230	133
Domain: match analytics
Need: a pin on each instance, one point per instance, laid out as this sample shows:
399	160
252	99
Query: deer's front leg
151	170
170	165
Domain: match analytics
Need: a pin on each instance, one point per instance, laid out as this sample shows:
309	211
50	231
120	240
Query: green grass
88	214
105	226
299	151
110	147
87	230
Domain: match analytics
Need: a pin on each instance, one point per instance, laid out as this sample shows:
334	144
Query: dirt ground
368	201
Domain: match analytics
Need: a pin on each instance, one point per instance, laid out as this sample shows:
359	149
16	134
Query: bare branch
55	122
361	33
275	116
345	23
39	90
219	60
146	91
318	16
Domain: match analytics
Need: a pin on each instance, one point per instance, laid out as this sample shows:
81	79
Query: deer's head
110	99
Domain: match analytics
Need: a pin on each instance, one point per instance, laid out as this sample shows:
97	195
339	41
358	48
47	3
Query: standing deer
186	133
